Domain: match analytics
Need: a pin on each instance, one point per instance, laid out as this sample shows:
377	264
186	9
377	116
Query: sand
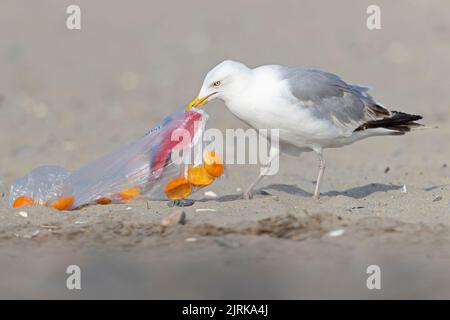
68	97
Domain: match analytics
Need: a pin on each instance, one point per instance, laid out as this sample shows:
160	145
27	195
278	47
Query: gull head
225	80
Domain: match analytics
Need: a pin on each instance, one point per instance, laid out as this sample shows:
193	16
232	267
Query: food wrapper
155	167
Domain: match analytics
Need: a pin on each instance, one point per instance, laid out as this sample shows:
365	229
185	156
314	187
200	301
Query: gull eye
216	83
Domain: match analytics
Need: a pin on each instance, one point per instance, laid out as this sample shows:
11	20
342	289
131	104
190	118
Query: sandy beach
68	97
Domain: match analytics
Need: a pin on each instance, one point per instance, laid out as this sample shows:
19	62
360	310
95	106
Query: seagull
312	109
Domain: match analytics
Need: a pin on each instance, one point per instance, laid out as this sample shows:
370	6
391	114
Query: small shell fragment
404	190
199	177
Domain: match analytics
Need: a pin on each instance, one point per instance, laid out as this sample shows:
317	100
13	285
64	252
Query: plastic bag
147	167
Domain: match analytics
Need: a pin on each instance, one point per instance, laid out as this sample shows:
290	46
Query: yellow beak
196	103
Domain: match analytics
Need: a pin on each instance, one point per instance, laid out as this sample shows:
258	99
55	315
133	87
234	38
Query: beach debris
336	233
210	194
238	190
128	208
404	190
387	170
205	210
438	198
23	214
176	217
144	167
191	239
181	203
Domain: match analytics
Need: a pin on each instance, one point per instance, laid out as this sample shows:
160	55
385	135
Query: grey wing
330	98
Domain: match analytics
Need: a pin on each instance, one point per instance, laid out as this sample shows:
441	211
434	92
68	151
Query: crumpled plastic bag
144	168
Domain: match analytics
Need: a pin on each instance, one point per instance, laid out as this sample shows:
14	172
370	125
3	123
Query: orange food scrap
213	163
103	200
198	176
178	188
22	202
63	203
129	194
